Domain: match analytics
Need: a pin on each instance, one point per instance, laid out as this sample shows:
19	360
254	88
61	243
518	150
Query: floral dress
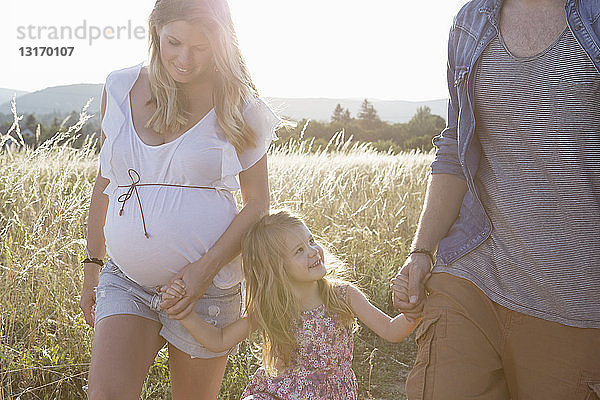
321	366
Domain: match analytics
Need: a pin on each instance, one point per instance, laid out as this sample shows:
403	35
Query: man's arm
444	197
445	192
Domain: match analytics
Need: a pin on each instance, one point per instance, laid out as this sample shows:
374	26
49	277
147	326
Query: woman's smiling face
185	51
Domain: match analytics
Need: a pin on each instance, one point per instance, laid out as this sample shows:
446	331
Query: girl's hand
399	286
195	283
87	302
174	291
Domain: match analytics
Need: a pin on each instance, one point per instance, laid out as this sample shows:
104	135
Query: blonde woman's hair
270	300
233	85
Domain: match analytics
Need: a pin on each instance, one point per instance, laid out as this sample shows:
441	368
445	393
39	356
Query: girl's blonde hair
233	83
270	300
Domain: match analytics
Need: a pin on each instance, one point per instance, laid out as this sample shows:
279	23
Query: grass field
364	204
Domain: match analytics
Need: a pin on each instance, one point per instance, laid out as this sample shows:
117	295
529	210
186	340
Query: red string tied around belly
133	188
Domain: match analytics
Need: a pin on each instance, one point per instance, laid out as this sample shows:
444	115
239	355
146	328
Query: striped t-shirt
538	123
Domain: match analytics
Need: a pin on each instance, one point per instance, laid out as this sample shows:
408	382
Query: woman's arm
391	329
95	239
199	275
216	339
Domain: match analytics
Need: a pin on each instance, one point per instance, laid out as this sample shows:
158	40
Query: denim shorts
117	294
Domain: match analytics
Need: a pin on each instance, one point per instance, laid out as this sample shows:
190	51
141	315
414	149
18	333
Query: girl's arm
216	339
391	329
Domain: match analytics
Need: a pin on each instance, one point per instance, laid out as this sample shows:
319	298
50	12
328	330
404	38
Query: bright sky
386	49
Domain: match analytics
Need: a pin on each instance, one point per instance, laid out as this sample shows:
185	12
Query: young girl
305	318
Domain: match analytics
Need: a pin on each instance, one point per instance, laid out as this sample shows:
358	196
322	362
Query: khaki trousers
473	348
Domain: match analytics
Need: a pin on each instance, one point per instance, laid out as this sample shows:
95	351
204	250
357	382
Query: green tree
30	122
425	123
346	116
341	115
422	127
367	115
338	113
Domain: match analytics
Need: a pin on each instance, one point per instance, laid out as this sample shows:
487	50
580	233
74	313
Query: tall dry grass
363	203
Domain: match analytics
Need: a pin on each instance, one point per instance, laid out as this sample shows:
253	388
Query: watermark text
84	31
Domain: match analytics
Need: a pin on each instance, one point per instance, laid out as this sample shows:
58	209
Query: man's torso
531	96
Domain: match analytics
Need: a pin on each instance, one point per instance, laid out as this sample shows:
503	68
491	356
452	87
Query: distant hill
320	109
6	96
61	99
65	99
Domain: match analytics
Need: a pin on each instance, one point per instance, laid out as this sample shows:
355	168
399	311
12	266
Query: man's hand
417	269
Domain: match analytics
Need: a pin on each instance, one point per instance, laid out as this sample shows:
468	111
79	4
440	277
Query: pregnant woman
177	134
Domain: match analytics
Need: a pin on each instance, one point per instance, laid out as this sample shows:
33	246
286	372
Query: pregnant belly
181	228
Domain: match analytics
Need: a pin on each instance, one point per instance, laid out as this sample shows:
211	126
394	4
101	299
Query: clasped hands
187	287
408	287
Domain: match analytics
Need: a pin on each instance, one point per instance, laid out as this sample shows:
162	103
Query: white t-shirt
182	223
